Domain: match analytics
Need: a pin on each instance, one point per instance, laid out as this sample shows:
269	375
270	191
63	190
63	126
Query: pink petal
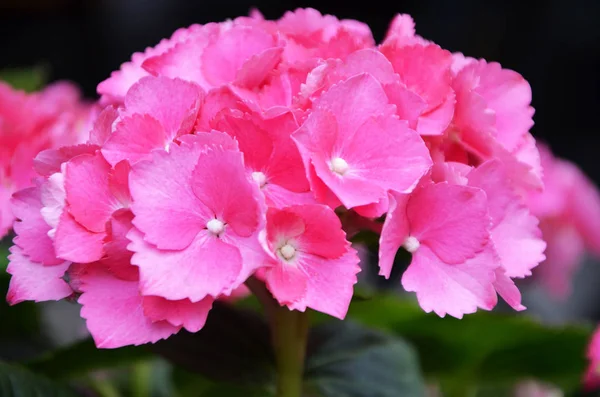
117	258
316	229
34	281
254	142
134	138
114	312
256	69
49	161
181	313
278	197
451	220
31	229
507	289
220	183
514	229
103	125
223	58
287	283
453	289
166	209
330	283
208	266
75	243
89	197
174	103
395	230
424	69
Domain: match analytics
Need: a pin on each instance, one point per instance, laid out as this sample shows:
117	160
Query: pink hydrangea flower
591	379
569	211
455	268
314	265
355	148
30	123
197	219
227	151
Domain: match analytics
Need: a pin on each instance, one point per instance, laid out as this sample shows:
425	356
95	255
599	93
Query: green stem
289	331
289	342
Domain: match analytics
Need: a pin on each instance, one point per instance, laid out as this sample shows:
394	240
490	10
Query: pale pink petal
453	289
114	312
34	281
166	209
208	266
451	220
89	197
53	198
181	313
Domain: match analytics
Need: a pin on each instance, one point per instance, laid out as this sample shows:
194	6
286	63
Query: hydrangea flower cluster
30	123
230	150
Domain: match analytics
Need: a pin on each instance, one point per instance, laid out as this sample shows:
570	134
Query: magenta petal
75	243
452	289
114	312
166	210
90	200
208	266
181	313
34	281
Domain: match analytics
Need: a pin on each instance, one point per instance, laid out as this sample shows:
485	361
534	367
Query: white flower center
411	244
339	166
287	252
259	178
215	226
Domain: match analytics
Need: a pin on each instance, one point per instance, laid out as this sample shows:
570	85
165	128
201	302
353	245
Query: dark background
553	43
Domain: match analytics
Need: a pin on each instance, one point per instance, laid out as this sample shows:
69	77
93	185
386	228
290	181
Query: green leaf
348	360
234	346
18	382
83	357
26	79
482	347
